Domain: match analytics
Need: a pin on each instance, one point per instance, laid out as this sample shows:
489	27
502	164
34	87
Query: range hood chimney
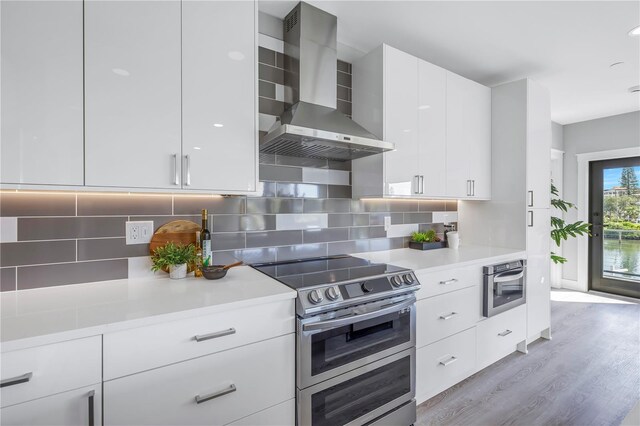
312	127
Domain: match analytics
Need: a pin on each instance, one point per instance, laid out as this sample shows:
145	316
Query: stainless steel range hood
313	127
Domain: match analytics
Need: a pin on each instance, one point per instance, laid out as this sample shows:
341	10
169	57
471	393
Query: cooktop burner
334	282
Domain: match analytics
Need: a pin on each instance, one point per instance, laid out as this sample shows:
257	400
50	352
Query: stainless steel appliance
504	287
356	333
312	126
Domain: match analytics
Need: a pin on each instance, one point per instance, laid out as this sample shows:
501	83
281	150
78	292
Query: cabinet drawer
67	408
230	385
140	349
441	316
445	363
281	415
50	369
440	282
498	336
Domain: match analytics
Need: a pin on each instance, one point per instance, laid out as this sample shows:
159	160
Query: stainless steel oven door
504	291
336	342
361	395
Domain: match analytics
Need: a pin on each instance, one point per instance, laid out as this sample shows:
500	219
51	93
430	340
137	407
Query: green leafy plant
173	254
425	237
560	230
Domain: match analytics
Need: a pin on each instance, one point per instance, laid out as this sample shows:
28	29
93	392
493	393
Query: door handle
468	188
473	187
176	177
451	281
214	395
91	399
505	333
214	335
188	167
530	213
416	186
530	203
24	378
448	316
449	361
421	184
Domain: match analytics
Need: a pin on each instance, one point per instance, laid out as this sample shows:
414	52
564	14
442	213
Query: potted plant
426	240
175	257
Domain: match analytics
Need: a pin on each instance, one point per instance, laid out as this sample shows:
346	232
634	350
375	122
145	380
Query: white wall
603	134
557	136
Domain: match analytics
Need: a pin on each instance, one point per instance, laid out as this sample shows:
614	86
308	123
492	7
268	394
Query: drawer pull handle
505	333
449	361
448	316
91	398
209	397
214	335
16	380
451	281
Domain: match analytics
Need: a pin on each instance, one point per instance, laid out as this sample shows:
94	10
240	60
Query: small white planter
177	272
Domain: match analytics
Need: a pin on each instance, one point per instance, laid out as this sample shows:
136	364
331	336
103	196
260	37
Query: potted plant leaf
426	241
175	257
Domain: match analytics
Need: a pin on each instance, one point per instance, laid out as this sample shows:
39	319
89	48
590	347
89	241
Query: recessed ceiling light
218	125
424	107
120	71
235	55
406	130
634	89
635	31
615	64
197	147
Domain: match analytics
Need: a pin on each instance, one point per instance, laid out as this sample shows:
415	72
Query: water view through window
621	230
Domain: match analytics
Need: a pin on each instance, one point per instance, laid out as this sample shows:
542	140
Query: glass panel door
614	249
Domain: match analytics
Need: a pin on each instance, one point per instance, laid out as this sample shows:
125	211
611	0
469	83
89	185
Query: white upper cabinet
439	122
218	95
468	138
41	68
401	122
132	93
432	128
538	146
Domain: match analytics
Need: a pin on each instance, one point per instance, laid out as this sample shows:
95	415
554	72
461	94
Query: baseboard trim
571	285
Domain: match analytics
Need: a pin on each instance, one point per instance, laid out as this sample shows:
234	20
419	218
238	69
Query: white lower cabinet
499	336
215	389
444	363
77	407
279	415
447	314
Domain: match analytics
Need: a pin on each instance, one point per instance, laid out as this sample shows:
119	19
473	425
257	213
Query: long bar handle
505	333
468	188
473	187
416	181
92	396
451	281
530	193
23	378
449	361
188	178
214	395
530	213
214	335
176	178
507	278
421	184
448	316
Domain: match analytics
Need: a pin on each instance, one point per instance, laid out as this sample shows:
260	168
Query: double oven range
356	332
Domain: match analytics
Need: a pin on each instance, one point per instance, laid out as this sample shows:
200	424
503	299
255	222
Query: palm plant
560	230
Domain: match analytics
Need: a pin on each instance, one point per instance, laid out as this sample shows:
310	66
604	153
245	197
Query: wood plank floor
589	374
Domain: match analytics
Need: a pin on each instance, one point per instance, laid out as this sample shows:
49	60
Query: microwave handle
329	324
503	279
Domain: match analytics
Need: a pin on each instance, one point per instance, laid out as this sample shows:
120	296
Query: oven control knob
332	293
396	281
408	279
315	297
366	287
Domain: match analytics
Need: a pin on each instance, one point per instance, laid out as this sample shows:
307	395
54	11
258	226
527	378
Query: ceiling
568	46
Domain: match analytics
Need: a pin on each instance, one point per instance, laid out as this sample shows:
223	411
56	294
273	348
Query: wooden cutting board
178	232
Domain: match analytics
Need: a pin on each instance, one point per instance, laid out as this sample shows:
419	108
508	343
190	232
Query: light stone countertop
52	314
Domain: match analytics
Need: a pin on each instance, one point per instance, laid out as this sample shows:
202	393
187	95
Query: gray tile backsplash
65	238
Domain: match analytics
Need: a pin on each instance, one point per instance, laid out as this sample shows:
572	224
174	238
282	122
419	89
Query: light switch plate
139	232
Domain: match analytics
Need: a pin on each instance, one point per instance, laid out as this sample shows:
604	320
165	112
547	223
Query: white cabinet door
538	146
218	95
401	122
132	93
538	271
468	138
432	129
41	92
68	408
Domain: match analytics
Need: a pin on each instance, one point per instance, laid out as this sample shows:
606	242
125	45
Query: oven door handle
507	278
329	324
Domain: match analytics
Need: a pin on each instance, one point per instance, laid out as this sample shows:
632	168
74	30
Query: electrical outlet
139	232
387	222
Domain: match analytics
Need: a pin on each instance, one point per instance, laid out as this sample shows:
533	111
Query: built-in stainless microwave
504	287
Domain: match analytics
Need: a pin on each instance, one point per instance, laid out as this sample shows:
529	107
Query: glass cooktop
302	273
